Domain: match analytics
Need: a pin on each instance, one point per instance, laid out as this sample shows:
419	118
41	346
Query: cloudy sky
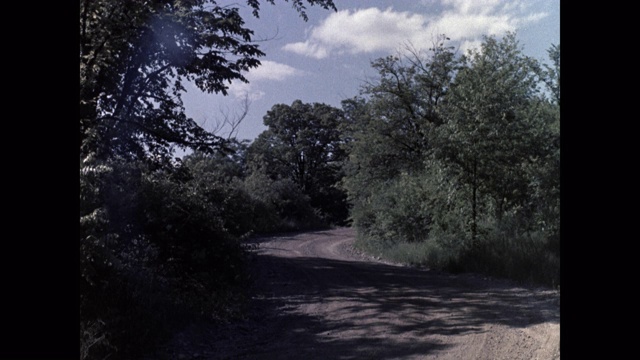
327	59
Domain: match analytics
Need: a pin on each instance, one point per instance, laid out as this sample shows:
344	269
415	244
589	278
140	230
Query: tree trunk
474	204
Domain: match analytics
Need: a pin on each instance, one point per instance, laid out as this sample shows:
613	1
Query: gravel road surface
317	298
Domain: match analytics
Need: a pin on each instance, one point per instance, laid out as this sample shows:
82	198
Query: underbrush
422	254
127	317
155	253
162	246
526	258
128	310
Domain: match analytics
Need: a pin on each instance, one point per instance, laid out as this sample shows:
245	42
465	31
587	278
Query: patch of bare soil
317	298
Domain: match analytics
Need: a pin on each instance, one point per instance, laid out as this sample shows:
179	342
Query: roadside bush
186	221
397	211
423	254
513	250
280	205
115	298
514	247
154	253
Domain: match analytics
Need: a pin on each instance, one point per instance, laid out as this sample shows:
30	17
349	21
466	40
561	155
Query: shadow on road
309	307
318	308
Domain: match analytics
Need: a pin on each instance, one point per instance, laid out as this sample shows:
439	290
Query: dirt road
318	299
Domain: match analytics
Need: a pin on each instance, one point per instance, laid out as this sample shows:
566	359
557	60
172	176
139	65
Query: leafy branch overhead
135	57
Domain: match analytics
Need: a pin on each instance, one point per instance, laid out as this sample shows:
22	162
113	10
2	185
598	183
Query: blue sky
327	59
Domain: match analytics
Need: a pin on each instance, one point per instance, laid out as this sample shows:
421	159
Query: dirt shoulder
316	298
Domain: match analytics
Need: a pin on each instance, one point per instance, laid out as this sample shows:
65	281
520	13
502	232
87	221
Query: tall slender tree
490	133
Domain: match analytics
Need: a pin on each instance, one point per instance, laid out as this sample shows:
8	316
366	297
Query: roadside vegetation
161	237
454	160
445	160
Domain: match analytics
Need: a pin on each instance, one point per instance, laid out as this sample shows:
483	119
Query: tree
390	132
491	132
157	241
220	167
552	75
134	59
545	175
303	144
462	154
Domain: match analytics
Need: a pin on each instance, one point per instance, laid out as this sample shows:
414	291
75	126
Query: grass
525	258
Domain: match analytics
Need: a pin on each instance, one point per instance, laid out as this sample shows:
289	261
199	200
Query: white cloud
360	31
467	45
370	30
268	71
271	70
313	49
473	6
240	90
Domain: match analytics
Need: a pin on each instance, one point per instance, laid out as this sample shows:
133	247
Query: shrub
154	253
280	205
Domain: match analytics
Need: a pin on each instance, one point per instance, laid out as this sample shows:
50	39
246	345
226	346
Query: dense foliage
461	154
160	239
303	146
